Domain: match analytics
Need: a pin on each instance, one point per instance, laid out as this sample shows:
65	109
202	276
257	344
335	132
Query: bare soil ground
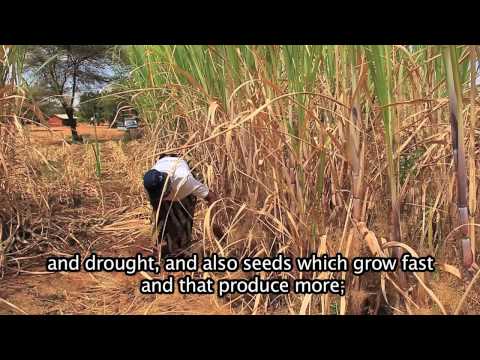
96	293
59	134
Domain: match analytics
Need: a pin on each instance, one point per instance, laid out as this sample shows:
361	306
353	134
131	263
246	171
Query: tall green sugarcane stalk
355	154
472	203
456	122
355	147
379	65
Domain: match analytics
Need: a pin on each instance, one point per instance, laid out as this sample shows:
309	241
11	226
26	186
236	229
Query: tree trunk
69	110
73	124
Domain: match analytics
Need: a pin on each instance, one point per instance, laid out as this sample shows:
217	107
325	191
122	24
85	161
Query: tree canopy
60	72
102	105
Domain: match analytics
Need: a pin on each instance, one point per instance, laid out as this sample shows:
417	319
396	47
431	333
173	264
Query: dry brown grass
65	208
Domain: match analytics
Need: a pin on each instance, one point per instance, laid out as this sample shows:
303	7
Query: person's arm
202	191
198	188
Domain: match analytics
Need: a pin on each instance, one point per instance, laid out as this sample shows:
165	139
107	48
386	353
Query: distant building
59	120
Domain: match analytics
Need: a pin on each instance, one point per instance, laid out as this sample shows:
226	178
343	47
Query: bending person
173	193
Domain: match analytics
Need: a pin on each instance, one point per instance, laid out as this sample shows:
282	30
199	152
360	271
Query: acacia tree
103	104
64	70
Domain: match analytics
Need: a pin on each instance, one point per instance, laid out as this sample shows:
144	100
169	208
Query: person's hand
211	197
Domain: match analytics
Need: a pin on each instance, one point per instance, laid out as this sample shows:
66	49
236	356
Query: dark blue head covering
154	181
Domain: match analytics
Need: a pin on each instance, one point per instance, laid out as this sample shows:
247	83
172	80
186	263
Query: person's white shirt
182	181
